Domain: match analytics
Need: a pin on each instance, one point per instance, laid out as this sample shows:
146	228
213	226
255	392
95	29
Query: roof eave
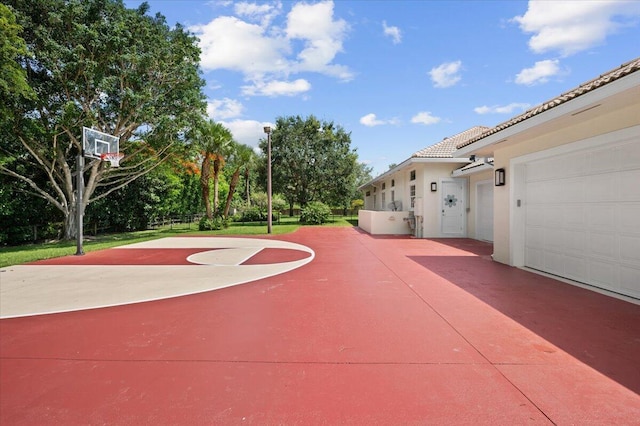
569	107
408	162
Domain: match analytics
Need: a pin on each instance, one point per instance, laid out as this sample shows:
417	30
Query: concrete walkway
370	331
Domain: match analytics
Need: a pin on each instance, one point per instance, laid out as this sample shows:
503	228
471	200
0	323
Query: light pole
267	130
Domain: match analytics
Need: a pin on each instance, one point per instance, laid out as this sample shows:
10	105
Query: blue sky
398	75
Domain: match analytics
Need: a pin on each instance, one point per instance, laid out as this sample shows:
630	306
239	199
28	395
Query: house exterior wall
383	222
431	201
535	140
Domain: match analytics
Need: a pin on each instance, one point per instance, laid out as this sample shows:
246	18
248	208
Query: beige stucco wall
534	140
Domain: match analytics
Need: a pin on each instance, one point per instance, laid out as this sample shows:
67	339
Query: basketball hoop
112	157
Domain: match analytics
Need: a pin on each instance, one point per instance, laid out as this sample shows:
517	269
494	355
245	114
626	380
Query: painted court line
44	289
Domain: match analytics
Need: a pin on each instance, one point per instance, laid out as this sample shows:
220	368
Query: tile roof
446	147
604	79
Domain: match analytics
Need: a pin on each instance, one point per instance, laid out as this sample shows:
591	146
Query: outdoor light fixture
267	130
434	186
500	177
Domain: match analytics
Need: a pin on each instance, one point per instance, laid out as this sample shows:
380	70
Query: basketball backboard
96	143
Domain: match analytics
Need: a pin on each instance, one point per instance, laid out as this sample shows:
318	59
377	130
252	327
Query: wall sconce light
434	186
500	177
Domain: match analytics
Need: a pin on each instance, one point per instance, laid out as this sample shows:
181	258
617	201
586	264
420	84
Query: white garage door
583	216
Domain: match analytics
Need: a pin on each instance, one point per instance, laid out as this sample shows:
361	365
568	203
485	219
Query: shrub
216	223
315	213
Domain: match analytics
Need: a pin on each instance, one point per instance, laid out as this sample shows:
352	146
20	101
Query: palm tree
243	157
212	141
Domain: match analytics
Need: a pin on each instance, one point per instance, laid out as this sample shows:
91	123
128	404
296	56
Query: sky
397	75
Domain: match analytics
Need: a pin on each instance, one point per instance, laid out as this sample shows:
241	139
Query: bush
214	224
315	213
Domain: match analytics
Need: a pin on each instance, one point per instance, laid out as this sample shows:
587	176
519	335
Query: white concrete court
44	289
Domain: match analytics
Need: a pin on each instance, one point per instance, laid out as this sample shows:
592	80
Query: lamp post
267	130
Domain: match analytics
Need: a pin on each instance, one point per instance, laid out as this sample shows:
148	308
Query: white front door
484	210
453	206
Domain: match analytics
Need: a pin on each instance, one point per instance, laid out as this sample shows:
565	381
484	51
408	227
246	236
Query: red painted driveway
372	331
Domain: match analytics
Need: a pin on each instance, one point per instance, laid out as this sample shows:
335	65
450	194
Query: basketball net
112	157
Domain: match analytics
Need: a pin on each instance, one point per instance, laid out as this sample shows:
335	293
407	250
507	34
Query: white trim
472	170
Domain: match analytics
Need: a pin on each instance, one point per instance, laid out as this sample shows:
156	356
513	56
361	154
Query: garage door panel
535	237
603	274
575	241
600	217
572	190
630	249
583	216
575	268
535	215
602	245
537	193
629	155
629	188
574	216
629	219
629	279
552	218
603	160
534	257
602	188
554	239
554	263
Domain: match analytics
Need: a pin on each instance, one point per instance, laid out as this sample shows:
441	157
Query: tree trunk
232	189
246	187
216	177
70	222
204	184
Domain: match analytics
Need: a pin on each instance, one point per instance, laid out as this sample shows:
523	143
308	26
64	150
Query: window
412	175
368	193
412	195
384	201
374	189
374	201
393	196
384	185
393	183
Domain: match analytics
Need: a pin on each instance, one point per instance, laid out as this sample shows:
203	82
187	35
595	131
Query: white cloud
393	32
322	36
248	132
263	13
539	73
505	109
446	75
267	54
371	120
230	43
221	109
277	88
573	26
425	118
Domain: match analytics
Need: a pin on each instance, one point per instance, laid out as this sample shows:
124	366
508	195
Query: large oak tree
95	63
312	161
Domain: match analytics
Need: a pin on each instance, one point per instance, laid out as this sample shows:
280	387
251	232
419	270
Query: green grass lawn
16	255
